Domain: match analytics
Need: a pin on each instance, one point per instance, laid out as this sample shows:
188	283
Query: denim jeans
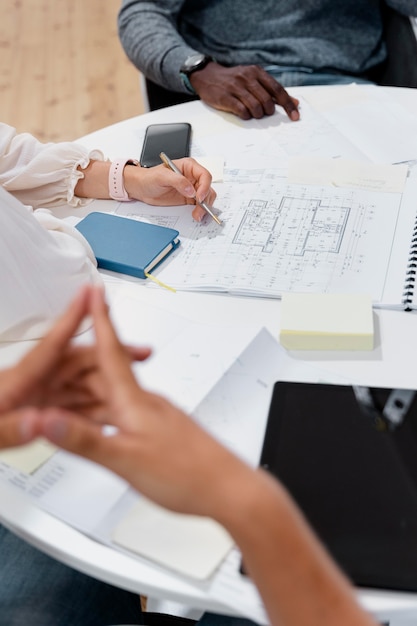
36	590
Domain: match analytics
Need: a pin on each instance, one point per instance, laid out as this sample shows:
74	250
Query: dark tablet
353	474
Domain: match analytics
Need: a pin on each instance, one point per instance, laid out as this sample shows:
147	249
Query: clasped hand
65	393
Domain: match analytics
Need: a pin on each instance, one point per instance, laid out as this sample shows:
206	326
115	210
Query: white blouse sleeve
42	174
44	264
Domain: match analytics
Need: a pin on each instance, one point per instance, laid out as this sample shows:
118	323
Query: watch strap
117	189
186	70
187	84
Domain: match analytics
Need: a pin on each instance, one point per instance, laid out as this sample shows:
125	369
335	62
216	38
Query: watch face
194	62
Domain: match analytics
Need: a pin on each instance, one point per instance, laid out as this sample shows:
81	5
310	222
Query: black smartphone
173	139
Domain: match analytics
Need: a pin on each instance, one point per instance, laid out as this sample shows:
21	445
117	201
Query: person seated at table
44	262
298	581
241	57
36	243
52	174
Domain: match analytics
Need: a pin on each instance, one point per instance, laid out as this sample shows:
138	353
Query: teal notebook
126	245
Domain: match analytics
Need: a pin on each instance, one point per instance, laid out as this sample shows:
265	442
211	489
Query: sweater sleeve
150	38
42	174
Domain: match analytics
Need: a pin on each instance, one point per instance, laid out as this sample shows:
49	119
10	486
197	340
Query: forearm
299	583
95	181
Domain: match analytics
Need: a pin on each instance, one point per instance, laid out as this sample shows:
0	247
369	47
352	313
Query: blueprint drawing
278	237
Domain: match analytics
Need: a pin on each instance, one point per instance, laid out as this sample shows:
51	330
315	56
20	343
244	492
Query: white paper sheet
193	546
347	173
379	127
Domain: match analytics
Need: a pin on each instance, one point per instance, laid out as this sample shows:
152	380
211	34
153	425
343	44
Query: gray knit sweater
337	35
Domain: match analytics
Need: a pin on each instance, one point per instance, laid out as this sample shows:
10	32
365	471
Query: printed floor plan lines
317	227
278	237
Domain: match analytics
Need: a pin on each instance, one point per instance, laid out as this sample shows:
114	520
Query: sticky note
311	321
30	457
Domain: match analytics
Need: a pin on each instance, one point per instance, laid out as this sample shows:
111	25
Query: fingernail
190	191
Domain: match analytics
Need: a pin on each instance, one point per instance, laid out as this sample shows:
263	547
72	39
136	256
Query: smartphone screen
173	139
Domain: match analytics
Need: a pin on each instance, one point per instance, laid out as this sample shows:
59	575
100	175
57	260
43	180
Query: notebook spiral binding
410	277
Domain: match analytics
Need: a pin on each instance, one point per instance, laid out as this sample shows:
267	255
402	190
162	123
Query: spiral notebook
125	245
400	289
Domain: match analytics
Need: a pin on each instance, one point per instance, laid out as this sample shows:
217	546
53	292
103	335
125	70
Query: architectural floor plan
278	237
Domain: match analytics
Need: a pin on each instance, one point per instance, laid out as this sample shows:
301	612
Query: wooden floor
63	72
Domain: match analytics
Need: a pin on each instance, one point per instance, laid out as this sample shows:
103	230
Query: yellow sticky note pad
311	321
30	457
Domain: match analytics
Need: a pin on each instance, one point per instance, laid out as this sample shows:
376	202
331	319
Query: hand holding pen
167	161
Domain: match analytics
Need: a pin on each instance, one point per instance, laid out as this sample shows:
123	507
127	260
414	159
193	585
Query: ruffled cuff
46	175
75	175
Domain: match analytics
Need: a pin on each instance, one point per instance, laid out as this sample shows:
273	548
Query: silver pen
175	169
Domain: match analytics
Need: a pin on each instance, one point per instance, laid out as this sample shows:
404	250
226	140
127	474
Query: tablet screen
356	483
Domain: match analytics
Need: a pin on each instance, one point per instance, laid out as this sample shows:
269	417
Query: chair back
159	97
400	68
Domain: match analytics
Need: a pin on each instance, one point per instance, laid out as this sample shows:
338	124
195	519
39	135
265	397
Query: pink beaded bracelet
117	189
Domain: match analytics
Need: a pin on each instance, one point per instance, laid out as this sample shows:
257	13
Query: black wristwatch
192	64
